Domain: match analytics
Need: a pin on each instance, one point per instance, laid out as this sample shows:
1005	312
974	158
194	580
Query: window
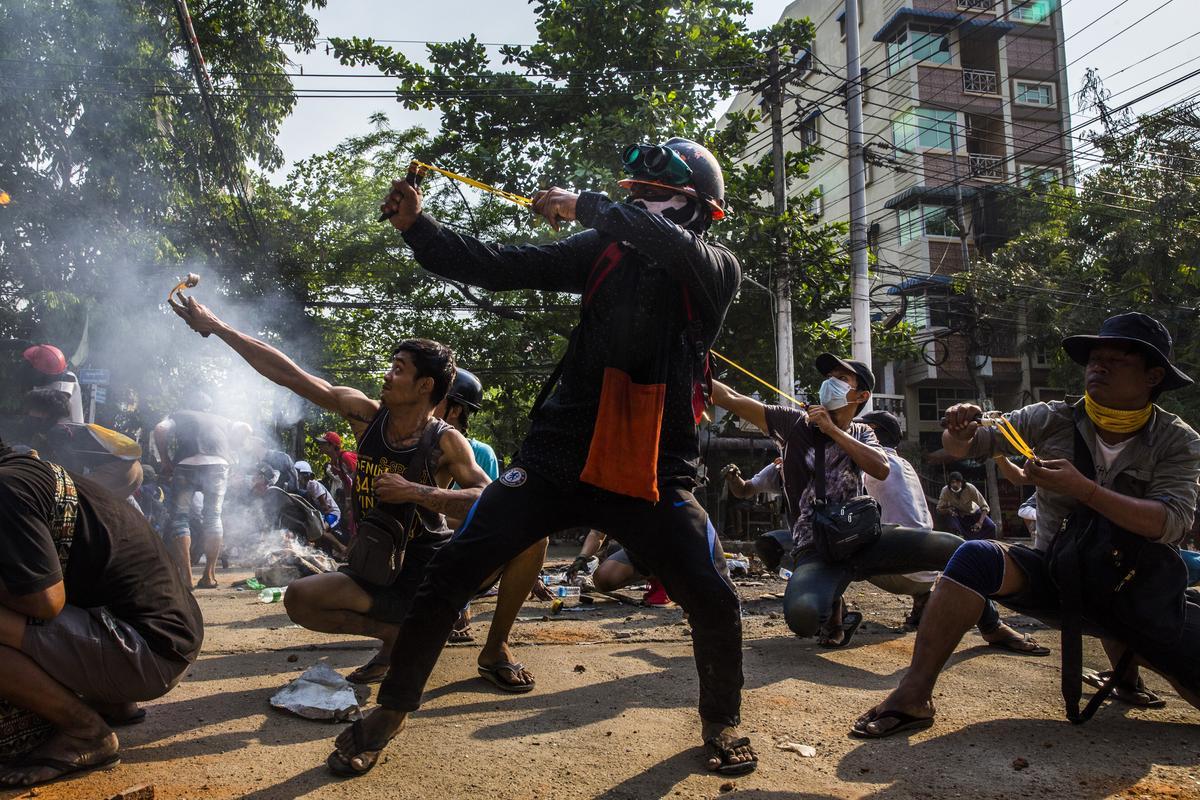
976	5
810	136
842	20
923	127
1029	93
933	402
926	220
816	204
1032	11
917	45
1038	173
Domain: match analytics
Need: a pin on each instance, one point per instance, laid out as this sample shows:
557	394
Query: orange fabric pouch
623	456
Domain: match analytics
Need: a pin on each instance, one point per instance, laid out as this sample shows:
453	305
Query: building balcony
975	5
986	168
980	81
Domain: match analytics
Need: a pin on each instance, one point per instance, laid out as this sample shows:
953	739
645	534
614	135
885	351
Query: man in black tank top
654	294
388	430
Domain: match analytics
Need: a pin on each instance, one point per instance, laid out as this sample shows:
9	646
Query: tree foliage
1127	239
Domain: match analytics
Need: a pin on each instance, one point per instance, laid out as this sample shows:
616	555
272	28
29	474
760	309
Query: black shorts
390	603
1040	600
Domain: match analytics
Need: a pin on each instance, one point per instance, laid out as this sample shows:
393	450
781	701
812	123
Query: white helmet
304	466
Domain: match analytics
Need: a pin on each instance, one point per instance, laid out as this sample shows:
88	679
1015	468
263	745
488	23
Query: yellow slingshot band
1010	433
770	386
510	196
525	201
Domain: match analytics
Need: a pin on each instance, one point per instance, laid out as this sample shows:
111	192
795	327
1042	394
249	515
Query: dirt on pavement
625	726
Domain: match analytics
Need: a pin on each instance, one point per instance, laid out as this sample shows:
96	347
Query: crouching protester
93	618
826	453
1116	487
613	442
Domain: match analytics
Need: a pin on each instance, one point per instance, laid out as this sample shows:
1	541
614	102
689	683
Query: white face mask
833	394
679	209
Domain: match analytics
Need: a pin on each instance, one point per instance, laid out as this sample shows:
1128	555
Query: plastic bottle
565	591
553	578
272	594
785	573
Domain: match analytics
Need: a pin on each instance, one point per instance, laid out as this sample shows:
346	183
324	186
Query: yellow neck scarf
1115	420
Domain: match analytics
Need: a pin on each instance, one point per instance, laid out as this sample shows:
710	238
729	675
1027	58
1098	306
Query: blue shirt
485	457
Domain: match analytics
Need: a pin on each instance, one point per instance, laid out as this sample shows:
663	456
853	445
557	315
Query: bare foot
729	752
62	755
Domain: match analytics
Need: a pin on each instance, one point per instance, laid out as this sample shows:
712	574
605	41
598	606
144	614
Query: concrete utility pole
860	289
785	368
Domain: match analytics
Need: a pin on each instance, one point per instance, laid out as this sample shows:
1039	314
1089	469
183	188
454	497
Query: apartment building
964	100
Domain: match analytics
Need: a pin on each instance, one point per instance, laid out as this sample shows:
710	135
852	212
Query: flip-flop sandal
370	672
904	722
724	751
341	766
461	636
1139	695
491	674
135	718
1021	645
207	584
66	768
850	622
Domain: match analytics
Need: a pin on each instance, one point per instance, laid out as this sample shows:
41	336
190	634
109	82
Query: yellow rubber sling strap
511	196
770	386
116	443
1009	432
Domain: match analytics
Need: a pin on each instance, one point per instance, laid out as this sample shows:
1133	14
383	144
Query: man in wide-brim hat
1146	462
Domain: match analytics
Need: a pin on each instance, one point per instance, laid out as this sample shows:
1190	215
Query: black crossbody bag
377	554
840	530
1130	586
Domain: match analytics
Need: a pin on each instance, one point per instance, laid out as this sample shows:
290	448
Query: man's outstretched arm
747	408
278	368
561	266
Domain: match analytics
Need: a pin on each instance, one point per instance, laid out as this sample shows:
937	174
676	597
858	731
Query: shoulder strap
66	512
818	465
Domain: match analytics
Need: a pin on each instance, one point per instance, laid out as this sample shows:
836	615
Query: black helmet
707	181
466	390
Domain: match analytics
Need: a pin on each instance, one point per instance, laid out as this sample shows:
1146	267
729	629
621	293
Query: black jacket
669	258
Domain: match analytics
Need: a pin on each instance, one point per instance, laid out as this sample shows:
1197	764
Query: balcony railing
980	80
976	5
987	168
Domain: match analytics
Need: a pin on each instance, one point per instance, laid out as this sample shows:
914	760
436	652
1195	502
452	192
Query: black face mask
681	209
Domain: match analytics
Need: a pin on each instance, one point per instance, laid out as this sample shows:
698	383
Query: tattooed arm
457	464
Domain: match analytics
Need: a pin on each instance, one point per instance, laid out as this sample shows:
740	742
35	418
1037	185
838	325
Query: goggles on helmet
657	162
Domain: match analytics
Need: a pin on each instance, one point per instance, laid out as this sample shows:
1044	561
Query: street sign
93	376
101	394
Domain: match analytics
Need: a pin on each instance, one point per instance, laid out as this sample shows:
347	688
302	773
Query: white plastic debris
804	750
319	693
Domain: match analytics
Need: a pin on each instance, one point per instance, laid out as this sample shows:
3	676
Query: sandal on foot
850	622
491	674
370	672
65	768
369	752
904	722
461	636
205	584
1135	695
723	749
1022	645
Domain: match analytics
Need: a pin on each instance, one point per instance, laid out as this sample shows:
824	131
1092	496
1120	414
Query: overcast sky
318	124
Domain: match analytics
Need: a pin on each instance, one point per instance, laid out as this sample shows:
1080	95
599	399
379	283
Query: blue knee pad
978	565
